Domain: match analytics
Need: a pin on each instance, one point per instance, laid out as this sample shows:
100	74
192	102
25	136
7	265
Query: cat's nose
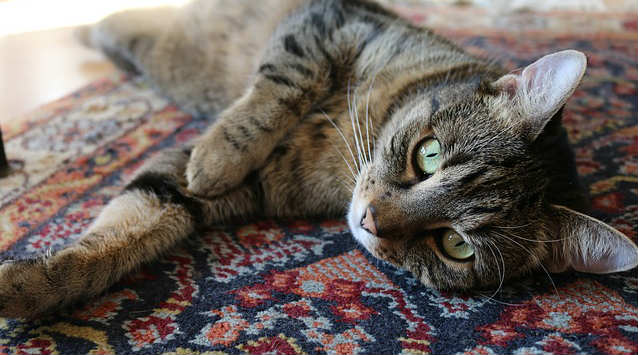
367	221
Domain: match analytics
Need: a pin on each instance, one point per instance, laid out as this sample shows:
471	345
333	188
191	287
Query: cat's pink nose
367	221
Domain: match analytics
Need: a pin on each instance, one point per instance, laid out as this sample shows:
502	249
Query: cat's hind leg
181	51
153	214
127	37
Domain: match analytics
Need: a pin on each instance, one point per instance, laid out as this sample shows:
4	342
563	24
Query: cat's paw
24	289
214	167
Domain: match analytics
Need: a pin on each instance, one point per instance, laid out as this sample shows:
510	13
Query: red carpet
294	287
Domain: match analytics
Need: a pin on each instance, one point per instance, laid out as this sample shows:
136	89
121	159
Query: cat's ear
543	87
588	245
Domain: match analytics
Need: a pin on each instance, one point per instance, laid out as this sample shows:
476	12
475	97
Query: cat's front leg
246	133
295	72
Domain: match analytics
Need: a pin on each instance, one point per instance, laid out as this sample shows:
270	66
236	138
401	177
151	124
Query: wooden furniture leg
4	164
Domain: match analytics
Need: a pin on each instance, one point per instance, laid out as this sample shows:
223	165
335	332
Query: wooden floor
38	67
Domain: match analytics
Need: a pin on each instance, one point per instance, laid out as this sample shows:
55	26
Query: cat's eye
455	247
428	156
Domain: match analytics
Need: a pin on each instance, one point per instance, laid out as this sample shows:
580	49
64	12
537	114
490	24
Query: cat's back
232	36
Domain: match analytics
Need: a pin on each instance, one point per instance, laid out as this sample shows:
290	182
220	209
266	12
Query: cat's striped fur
323	103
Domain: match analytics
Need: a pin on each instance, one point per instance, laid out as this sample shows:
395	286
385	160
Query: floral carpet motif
295	287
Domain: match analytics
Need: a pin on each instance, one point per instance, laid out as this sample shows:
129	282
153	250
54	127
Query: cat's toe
199	183
196	175
211	174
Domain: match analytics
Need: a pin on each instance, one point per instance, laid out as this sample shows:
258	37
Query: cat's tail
153	214
127	37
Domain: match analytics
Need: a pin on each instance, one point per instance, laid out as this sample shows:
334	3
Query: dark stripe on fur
267	67
472	176
244	131
302	70
255	182
281	80
167	191
460	73
337	71
279	152
337	16
317	21
508	162
231	139
369	6
259	125
291	46
294	106
457	159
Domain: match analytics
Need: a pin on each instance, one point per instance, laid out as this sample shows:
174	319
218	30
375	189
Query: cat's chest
313	168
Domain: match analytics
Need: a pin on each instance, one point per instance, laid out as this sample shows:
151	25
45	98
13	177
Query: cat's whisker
347	179
344	140
357	132
491	297
351	186
344	184
500	286
513	227
350	116
344	159
541	241
366	158
368	115
500	272
351	110
367	129
502	302
350	179
502	277
374	141
540	263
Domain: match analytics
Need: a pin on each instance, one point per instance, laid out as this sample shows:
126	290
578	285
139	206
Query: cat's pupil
431	155
459	244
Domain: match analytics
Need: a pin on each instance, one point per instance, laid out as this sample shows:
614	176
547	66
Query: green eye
428	156
455	247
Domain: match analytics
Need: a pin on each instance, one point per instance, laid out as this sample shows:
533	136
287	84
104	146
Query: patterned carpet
295	287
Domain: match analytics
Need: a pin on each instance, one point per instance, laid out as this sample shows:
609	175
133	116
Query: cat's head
484	189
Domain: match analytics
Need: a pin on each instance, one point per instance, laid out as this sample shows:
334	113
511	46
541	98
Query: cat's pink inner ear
589	245
544	86
551	80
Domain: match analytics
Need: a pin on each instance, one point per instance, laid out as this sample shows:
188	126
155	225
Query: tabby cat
445	165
